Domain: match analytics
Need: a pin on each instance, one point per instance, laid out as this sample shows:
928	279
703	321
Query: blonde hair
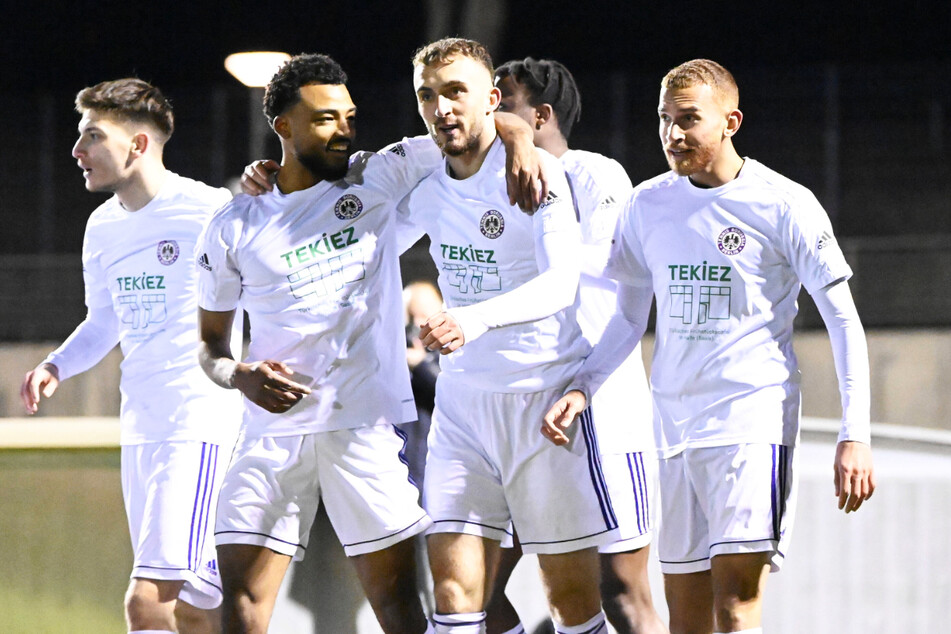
441	51
705	71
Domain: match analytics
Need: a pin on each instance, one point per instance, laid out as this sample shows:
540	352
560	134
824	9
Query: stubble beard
699	159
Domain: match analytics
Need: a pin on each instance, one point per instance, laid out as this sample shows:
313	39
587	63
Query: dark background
850	99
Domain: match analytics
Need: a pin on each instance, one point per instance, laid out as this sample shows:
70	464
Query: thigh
270	494
632	484
463	491
171	490
682	545
689	601
553	514
370	499
750	491
463	568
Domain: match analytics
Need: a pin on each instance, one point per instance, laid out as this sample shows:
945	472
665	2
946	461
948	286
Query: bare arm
265	383
854	474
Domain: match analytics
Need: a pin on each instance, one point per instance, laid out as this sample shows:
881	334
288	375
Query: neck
293	176
725	168
556	145
469	163
142	187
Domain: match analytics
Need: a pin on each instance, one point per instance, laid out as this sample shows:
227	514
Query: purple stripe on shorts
206	502
594	467
192	546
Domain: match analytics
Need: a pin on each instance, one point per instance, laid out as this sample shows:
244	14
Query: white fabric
318	273
719	500
489	467
170	491
594	625
88	344
140	264
725	265
483	248
272	491
632	485
622	404
850	354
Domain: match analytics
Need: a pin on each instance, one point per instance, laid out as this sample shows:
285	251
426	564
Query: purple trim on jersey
594	468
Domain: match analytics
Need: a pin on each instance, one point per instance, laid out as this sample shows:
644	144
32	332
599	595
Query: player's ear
282	127
733	120
140	143
495	98
543	114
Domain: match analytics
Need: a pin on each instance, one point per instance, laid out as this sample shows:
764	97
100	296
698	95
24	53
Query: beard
462	144
697	160
324	167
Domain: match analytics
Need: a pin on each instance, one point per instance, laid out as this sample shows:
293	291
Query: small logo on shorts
167	252
492	224
731	241
211	567
348	207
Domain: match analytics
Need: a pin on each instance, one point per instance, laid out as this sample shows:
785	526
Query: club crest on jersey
348	207
731	241
492	224
167	252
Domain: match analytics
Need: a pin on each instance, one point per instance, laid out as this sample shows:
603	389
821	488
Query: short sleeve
398	167
811	248
626	262
219	281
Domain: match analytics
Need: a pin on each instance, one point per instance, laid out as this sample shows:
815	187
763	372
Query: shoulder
655	188
185	188
770	183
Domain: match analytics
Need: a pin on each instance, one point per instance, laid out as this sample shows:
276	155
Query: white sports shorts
170	491
729	499
489	467
274	486
632	484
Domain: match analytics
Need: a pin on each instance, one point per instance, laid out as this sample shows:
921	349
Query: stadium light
254	69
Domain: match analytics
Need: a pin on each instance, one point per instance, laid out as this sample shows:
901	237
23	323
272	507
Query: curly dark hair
547	81
283	91
129	99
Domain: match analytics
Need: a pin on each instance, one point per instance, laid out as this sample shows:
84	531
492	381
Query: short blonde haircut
442	51
705	71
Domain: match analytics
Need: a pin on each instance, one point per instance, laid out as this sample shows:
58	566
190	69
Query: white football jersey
726	265
317	271
484	247
140	263
622	405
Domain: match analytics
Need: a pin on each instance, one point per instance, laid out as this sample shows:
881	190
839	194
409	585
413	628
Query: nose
77	149
672	132
443	106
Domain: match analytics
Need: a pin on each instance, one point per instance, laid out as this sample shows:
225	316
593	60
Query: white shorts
632	484
274	486
170	491
730	499
489	467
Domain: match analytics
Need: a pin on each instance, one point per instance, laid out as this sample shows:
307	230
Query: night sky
74	44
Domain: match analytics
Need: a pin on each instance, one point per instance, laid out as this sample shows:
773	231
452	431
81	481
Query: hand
561	415
258	177
44	379
267	385
854	476
525	178
442	332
